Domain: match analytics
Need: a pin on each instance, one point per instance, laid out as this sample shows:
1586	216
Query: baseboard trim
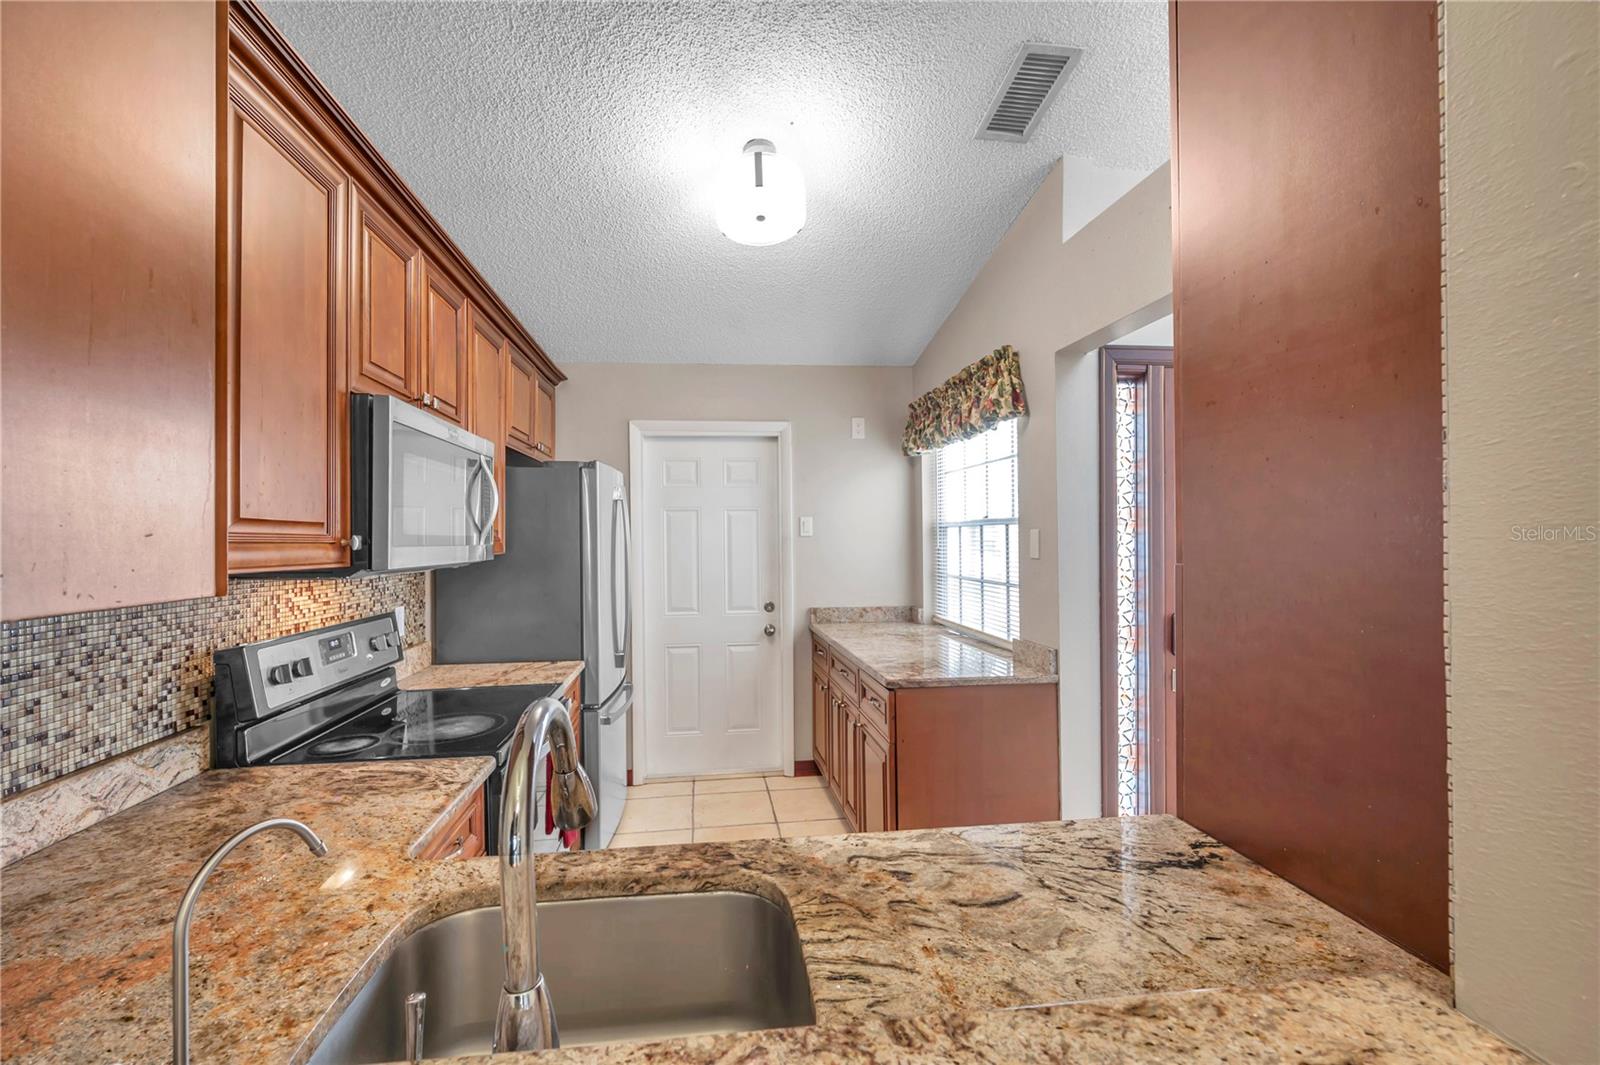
807	768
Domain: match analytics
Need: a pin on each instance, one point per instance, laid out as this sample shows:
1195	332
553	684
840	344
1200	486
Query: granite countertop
909	938
492	674
1340	1020
903	654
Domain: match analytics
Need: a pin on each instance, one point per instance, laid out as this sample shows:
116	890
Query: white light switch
858	428
1033	543
805	525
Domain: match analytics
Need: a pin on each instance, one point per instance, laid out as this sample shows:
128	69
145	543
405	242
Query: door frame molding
638	433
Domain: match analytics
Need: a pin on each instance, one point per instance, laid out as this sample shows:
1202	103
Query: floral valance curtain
979	397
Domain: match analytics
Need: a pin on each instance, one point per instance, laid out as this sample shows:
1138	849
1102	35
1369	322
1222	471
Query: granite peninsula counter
905	654
911	939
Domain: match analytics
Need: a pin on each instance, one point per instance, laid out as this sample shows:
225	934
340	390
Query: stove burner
343	745
451	728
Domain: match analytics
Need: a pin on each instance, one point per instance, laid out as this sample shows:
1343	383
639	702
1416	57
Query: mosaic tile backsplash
80	688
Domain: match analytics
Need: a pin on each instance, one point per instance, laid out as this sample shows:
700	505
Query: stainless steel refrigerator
560	591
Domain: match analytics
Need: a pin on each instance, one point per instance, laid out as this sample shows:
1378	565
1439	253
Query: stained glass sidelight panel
1131	539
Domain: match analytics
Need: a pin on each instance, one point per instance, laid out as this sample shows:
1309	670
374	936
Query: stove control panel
294	668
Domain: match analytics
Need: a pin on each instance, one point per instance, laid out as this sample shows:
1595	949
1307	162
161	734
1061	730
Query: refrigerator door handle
616	708
621	621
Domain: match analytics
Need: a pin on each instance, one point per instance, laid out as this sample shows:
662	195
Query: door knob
771	630
767	606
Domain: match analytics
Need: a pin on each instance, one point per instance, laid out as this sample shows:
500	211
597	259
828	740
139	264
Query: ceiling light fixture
763	197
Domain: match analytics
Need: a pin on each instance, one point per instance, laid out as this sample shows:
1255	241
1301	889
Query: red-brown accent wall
1306	243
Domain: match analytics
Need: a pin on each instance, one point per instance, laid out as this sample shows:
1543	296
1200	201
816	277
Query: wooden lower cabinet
875	808
839	746
821	722
933	757
463	837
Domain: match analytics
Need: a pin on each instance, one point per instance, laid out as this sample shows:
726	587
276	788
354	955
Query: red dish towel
569	836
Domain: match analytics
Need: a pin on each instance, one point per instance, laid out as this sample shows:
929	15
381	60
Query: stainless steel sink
644	967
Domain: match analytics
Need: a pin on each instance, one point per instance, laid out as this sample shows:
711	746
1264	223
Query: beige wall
859	491
1056	302
1522	361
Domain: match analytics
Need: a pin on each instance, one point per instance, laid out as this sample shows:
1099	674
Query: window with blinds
975	563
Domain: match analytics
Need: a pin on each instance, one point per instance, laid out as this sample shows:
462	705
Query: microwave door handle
619	509
472	500
494	506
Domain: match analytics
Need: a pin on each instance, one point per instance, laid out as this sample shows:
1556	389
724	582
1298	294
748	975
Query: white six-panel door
709	564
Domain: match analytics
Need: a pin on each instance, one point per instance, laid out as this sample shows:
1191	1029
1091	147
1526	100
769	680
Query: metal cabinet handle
460	849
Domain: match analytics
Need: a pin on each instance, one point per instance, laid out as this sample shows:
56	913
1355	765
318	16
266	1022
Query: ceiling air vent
1035	77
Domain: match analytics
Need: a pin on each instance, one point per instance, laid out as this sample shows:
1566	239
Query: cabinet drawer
874	706
843	680
819	657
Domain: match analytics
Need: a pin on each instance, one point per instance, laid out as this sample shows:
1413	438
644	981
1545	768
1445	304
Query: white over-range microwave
423	492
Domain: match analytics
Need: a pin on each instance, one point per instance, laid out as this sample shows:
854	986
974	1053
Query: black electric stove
331	695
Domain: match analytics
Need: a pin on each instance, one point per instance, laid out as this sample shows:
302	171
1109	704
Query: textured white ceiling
570	149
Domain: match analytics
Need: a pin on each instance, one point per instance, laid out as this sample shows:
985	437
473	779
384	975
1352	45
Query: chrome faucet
525	1019
180	926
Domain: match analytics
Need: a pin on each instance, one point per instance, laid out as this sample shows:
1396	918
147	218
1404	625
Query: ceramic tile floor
711	809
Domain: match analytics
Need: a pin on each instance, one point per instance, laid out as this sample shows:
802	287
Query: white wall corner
1087	189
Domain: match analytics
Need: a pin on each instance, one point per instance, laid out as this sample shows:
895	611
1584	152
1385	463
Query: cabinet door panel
487	411
519	426
109	295
444	338
820	720
876	808
287	445
388	273
851	775
544	418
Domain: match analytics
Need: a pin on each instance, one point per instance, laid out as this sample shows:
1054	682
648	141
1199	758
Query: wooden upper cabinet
521	418
288	445
108	414
489	357
544	417
445	364
387	272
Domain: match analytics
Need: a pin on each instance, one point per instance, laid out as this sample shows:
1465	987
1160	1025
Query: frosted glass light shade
762	199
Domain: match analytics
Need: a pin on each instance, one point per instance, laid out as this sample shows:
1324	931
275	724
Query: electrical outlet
858	428
1033	543
805	525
